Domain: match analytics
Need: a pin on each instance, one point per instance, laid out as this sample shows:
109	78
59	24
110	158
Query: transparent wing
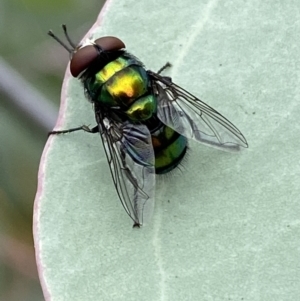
192	118
130	155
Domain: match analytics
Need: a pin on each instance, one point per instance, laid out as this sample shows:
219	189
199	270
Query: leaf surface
224	225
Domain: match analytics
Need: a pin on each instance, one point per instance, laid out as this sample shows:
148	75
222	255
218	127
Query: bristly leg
80	128
165	66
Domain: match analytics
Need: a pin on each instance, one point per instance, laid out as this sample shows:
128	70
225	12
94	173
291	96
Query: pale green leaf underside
227	226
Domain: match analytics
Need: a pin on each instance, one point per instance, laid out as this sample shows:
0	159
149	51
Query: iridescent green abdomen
169	148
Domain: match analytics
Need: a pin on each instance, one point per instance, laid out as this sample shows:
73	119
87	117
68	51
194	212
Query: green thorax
123	83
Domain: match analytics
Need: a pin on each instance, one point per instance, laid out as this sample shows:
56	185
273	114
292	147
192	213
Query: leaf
224	225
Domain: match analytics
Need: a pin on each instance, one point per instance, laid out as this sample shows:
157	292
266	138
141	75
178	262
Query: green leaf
224	225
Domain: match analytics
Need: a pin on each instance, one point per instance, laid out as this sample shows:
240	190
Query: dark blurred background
32	67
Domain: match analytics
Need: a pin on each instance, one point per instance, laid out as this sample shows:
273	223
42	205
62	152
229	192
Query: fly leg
168	79
164	67
80	128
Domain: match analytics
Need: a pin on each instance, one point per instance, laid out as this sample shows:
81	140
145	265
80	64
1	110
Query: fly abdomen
169	149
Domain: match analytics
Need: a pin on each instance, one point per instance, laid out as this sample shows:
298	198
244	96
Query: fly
143	118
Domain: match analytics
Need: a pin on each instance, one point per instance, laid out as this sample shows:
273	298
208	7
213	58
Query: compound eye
82	59
110	43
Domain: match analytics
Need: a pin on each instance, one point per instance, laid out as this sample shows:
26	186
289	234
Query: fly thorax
118	83
125	86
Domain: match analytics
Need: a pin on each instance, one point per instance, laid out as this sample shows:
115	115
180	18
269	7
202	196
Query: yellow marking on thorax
110	70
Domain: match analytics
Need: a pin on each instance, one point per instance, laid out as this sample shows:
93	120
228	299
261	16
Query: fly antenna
64	26
70	50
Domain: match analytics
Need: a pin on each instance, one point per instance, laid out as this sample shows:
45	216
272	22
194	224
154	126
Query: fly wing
130	155
193	118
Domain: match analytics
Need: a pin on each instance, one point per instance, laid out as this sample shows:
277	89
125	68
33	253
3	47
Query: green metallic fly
143	118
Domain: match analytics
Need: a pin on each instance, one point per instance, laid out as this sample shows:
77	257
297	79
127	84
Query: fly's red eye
82	59
110	43
86	55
